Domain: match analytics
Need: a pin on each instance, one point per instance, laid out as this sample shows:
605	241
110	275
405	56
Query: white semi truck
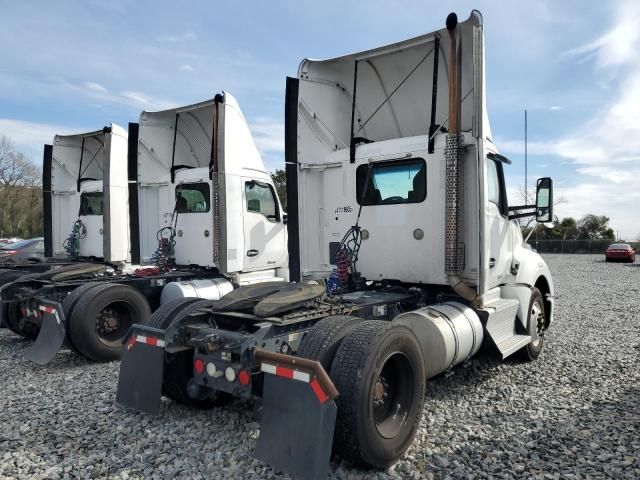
404	256
189	211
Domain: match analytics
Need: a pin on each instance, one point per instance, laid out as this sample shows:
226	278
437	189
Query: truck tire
11	312
68	305
322	341
535	325
178	366
102	317
379	373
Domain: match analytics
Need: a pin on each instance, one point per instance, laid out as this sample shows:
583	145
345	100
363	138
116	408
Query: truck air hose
72	243
166	243
346	261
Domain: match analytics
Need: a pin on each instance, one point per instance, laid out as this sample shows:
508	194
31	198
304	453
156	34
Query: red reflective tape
131	342
317	389
47	309
152	341
284	372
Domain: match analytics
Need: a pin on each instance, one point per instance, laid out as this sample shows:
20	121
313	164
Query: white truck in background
88	196
404	256
189	210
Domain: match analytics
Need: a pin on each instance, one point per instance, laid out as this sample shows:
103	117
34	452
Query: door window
261	198
90	203
493	181
193	197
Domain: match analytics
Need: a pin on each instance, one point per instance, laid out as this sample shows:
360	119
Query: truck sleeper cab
397	204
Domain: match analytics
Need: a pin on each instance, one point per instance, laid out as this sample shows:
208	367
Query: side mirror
544	200
285	218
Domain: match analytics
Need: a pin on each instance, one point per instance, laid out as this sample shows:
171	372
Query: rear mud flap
51	336
141	370
298	418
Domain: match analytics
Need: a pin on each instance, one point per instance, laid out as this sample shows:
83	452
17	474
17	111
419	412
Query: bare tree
20	192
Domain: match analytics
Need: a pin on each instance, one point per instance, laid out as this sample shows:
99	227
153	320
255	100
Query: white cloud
96	87
29	137
555	107
180	38
618	46
186	68
268	135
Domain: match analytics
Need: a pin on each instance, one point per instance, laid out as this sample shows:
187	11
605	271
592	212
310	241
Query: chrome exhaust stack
454	244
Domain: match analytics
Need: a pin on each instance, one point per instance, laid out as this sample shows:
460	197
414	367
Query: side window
493	183
193	197
261	198
90	204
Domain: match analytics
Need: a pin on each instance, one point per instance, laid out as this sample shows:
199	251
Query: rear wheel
12	312
322	341
69	304
379	372
102	317
178	366
536	323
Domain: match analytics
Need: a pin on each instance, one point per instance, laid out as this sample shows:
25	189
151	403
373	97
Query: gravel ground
575	413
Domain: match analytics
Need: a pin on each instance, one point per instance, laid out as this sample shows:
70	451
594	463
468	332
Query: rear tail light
243	378
9	252
198	366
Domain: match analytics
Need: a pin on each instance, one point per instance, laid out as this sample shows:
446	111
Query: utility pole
526	184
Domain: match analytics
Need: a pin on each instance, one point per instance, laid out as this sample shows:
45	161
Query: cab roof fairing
193	140
326	90
67	154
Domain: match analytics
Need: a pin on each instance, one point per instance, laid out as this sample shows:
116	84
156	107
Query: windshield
620	246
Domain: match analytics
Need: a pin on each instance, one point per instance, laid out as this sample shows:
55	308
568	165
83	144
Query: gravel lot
575	413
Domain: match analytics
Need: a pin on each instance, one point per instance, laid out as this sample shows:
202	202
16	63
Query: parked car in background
31	250
620	252
8	241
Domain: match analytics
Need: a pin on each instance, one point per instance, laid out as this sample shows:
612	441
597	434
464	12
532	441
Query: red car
620	252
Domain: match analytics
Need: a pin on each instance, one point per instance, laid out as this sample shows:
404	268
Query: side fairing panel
116	198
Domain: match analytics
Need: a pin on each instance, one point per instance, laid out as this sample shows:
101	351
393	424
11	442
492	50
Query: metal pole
526	184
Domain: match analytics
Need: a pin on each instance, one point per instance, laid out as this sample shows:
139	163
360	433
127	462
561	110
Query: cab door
194	224
497	225
264	228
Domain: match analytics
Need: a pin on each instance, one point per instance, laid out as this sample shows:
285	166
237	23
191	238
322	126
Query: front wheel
536	323
379	372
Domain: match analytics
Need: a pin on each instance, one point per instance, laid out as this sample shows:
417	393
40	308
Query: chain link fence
575	246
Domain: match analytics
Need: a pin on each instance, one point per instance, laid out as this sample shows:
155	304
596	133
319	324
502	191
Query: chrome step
512	344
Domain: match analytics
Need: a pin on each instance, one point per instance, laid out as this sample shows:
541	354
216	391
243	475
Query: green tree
280	181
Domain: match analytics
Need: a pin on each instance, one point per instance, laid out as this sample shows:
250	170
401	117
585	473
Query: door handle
492	262
252	253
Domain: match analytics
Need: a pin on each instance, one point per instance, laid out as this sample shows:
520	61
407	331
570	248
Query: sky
75	66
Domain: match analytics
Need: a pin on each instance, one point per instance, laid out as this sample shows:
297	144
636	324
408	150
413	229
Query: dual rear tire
98	317
378	369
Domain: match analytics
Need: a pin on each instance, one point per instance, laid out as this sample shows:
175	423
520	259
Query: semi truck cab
202	182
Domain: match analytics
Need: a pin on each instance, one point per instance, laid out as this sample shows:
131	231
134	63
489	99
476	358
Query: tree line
21	213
